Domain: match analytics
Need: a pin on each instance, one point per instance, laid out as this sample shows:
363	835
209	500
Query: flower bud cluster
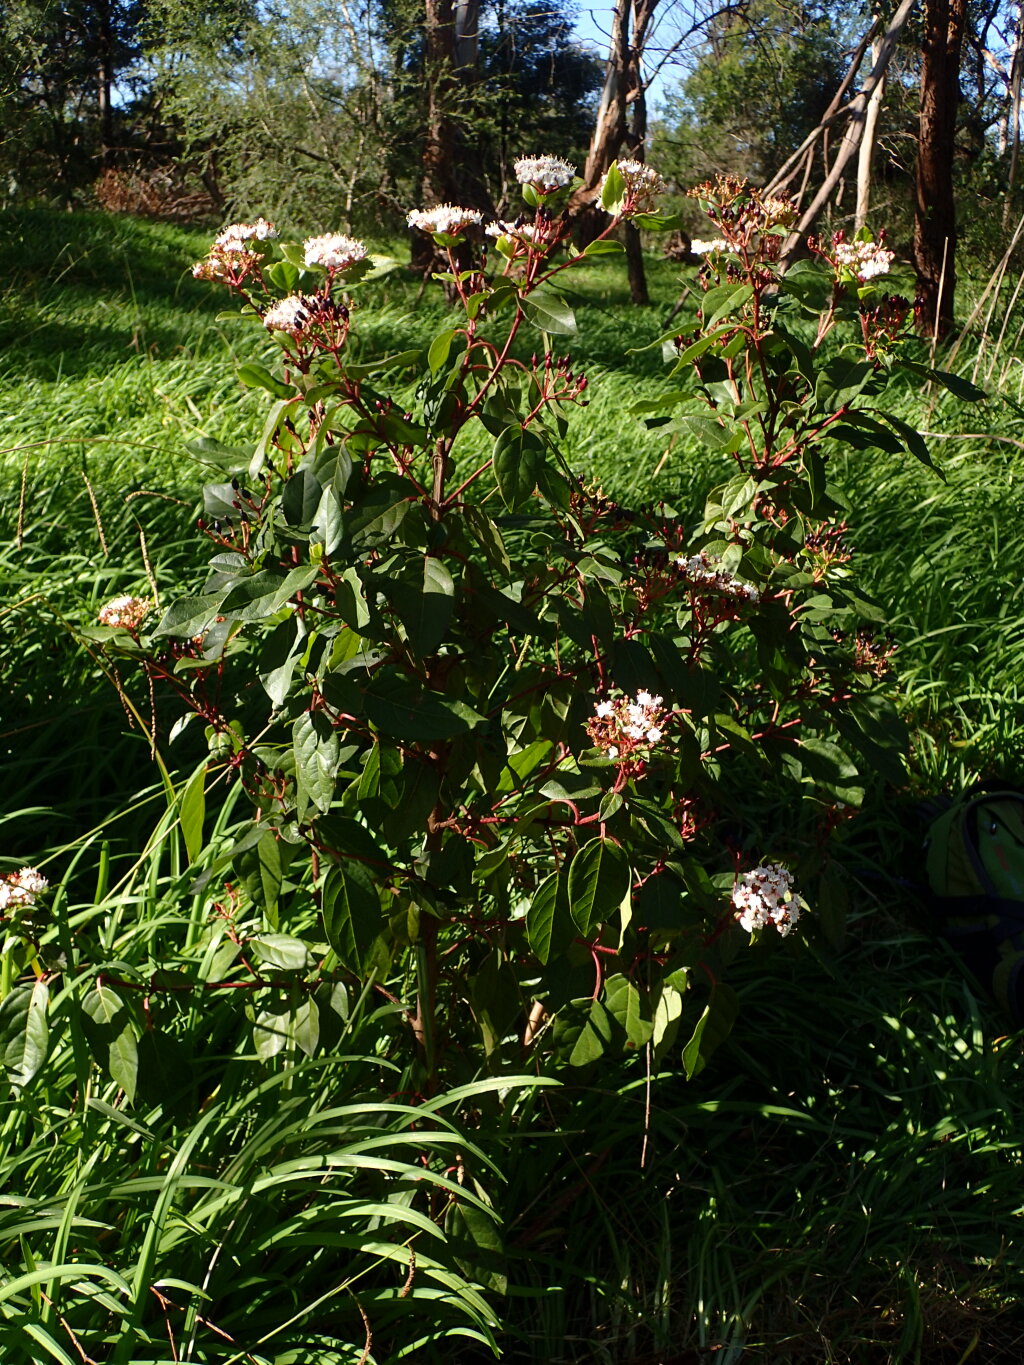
765	896
544	173
742	211
531	233
705	247
333	251
235	236
21	889
449	219
865	260
705	572
644	186
620	727
125	613
289	315
233	253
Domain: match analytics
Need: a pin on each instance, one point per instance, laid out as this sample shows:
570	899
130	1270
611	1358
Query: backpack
974	862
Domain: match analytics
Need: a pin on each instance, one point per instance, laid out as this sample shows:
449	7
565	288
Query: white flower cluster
125	613
21	888
236	236
703	247
334	251
529	232
643	185
289	315
447	218
765	896
705	571
864	259
621	726
232	254
545	173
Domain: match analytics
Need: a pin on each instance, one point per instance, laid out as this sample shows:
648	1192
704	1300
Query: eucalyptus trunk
621	125
935	208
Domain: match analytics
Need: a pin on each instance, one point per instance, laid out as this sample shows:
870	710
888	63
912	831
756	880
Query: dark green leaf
549	926
265	593
549	311
24	1034
111	1034
723	301
283	275
596	1038
841	380
657	222
713	1027
315	745
599	881
518	458
261	870
955	383
278	656
352	913
190	616
259	377
915	442
301	497
712	433
406	712
424	607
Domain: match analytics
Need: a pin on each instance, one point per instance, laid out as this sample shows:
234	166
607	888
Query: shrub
543	762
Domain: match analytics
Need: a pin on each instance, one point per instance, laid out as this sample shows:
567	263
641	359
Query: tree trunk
610	127
1014	101
854	113
104	87
614	129
935	209
451	33
866	153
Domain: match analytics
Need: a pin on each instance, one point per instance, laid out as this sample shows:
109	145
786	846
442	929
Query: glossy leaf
599	879
713	1027
352	913
112	1037
549	924
24	1031
548	311
518	457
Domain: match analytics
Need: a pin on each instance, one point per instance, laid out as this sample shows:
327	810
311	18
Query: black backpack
975	870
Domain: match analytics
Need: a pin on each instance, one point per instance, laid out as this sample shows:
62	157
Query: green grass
841	1184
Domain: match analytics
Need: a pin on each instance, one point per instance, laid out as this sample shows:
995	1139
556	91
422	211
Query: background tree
762	79
61	121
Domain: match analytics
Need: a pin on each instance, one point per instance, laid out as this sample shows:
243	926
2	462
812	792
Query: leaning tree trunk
866	152
935	208
621	123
